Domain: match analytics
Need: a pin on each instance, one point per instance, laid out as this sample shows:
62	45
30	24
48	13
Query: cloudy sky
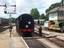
24	6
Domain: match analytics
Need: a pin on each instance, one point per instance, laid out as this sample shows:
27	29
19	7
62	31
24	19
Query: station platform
13	42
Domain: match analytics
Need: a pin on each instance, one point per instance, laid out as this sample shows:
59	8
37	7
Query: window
61	13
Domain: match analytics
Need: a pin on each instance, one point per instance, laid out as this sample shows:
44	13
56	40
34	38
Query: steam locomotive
25	25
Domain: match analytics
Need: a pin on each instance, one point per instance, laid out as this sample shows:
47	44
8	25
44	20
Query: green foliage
42	16
13	20
62	2
53	6
47	18
35	13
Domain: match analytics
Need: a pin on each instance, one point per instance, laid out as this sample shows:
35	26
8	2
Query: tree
47	17
13	20
62	2
53	6
42	16
35	13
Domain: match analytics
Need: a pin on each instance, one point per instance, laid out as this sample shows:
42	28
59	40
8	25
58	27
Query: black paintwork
23	20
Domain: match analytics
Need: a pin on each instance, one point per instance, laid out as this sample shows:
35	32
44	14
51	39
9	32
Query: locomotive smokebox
25	24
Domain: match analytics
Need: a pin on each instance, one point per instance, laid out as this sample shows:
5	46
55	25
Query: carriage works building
56	12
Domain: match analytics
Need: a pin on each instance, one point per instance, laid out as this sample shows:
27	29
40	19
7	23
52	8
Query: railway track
57	41
32	42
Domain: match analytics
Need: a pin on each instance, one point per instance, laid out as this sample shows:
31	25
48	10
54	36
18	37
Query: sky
25	6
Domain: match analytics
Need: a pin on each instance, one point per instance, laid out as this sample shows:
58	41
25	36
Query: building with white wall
56	14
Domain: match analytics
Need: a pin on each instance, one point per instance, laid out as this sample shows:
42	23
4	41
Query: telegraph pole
6	12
